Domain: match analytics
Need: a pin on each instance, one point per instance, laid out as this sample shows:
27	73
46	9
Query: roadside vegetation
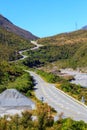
49	77
44	121
13	76
73	90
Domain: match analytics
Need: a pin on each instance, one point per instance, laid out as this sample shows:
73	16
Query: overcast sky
46	17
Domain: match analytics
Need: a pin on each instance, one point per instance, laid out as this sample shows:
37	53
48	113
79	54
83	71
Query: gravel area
12	102
80	78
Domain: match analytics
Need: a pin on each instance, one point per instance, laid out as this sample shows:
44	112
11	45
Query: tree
45	119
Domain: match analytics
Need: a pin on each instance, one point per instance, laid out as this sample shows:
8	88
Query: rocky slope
9	26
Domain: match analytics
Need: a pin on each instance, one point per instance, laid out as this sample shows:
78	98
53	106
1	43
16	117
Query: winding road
36	47
57	99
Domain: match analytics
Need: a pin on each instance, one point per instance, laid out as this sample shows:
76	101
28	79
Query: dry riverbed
79	77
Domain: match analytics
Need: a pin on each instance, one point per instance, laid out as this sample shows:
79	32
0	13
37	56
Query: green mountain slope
79	36
66	50
10	44
11	74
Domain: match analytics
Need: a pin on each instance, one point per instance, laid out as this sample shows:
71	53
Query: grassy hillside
79	36
65	50
13	76
10	44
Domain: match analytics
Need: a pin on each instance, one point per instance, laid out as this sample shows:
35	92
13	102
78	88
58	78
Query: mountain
11	43
62	50
79	36
84	27
9	26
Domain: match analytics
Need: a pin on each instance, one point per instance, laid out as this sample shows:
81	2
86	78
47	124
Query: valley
50	94
62	105
32	67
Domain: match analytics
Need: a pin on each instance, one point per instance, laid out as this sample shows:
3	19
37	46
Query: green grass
49	77
12	75
23	83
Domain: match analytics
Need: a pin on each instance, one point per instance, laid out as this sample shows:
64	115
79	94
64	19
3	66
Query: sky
46	17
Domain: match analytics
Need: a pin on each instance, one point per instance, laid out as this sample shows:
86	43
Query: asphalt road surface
57	99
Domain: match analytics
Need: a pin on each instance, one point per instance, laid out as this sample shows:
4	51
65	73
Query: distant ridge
9	26
84	27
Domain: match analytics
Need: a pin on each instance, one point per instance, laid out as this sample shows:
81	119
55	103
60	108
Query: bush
49	77
22	83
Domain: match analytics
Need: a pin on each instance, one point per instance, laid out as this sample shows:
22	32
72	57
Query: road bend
57	99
